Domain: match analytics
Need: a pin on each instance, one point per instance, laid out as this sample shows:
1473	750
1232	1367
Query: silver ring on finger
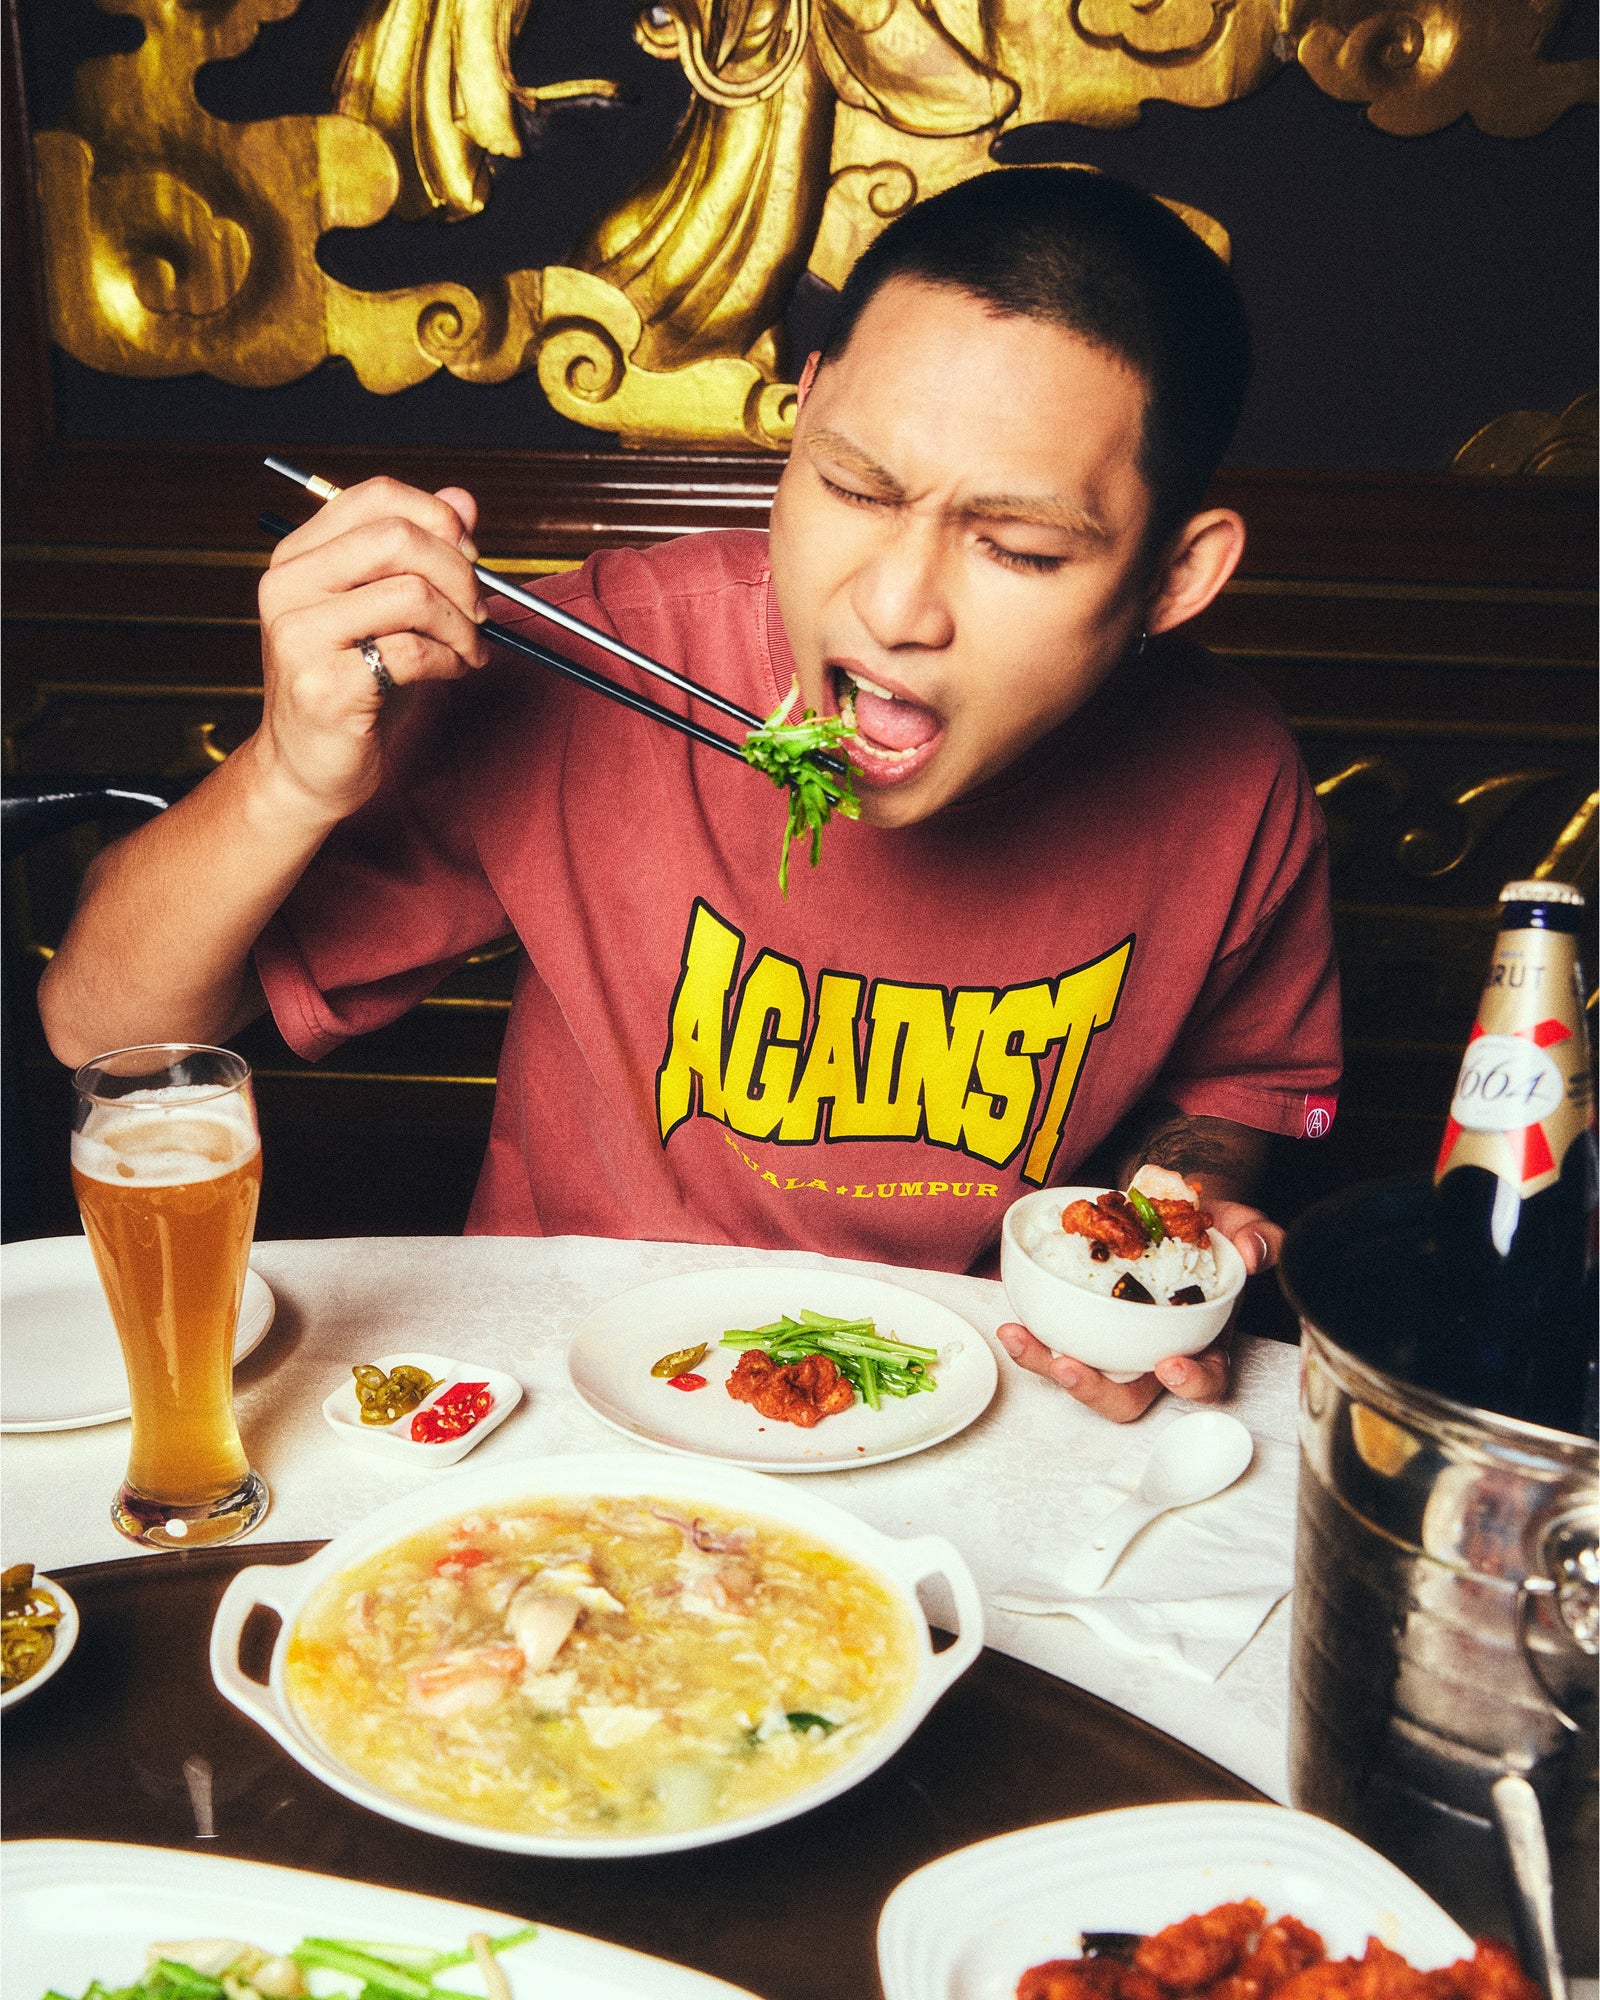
368	650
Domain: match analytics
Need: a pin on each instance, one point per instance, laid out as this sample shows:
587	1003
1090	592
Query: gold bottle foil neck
1523	1093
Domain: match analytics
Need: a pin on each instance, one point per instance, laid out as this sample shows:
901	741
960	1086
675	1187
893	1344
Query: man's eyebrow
851	458
1046	510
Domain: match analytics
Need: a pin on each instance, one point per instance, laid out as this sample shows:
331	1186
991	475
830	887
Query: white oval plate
66	1639
60	1364
969	1925
610	1355
77	1910
899	1564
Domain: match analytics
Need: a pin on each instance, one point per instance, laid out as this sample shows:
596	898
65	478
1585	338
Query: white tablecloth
1012	1491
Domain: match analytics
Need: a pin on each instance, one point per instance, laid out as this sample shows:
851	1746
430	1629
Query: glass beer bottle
1515	1182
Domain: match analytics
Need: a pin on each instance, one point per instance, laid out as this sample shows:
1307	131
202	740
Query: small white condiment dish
1121	1337
66	1639
342	1411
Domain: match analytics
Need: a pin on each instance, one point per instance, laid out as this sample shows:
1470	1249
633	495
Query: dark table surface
790	1913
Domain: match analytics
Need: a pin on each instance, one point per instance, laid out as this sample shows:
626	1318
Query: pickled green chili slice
680	1361
29	1616
1154	1227
385	1399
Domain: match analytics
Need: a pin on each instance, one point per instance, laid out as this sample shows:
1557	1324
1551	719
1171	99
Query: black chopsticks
558	663
324	489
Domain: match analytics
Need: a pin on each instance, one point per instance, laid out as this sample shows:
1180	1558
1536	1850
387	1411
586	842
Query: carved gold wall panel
177	243
1534	441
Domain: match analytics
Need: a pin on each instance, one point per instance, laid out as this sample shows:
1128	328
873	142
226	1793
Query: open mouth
894	736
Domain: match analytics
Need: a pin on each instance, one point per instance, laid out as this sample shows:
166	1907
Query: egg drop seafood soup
596	1667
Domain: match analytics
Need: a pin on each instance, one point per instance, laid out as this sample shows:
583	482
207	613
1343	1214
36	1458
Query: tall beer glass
166	1165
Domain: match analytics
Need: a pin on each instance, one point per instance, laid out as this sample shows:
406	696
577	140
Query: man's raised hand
384	562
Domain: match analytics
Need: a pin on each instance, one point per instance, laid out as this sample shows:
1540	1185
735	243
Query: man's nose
901	595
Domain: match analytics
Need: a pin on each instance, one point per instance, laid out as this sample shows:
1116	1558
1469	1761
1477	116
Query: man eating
1081	923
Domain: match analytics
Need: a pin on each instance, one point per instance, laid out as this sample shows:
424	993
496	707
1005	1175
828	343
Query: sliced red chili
454	1414
687	1382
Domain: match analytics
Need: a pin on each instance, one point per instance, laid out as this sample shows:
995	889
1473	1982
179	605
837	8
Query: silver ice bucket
1445	1608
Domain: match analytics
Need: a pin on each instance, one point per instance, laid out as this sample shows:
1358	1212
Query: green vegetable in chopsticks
874	1364
787	752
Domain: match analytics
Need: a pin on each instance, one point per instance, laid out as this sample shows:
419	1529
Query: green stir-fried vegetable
874	1364
787	752
1154	1228
225	1969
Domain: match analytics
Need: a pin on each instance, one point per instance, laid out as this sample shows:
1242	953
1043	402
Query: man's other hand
1197	1378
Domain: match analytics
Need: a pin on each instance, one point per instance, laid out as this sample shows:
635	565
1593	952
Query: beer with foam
167	1176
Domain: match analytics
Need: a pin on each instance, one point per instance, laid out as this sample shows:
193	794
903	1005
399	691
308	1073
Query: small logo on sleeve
1319	1115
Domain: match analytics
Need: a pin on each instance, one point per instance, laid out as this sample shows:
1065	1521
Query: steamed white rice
1165	1267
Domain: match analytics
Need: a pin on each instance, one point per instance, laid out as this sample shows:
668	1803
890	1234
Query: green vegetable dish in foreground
227	1969
874	1364
787	752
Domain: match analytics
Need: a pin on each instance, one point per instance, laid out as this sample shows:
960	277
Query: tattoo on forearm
1228	1158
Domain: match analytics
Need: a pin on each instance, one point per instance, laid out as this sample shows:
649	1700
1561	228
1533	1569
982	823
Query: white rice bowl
1063	1297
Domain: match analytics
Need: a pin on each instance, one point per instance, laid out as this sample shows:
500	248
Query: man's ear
1199	559
808	375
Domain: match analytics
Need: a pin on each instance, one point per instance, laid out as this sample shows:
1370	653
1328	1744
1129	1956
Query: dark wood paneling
1328	526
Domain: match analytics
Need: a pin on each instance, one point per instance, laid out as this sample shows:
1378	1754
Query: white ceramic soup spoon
1194	1459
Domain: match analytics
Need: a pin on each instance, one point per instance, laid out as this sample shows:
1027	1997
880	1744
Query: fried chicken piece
1183	1220
818	1380
1210	1957
1493	1973
801	1392
1380	1974
1284	1948
755	1367
1112	1220
1074	1979
1086	1979
1201	1949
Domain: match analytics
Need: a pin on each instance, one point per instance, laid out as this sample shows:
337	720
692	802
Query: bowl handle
274	1586
932	1555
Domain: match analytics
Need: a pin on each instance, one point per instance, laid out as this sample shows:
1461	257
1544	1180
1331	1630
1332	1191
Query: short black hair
1111	264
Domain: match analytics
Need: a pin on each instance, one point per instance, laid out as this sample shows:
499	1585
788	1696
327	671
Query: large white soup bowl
1120	1337
899	1565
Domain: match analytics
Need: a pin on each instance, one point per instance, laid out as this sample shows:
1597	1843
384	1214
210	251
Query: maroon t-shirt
939	1018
